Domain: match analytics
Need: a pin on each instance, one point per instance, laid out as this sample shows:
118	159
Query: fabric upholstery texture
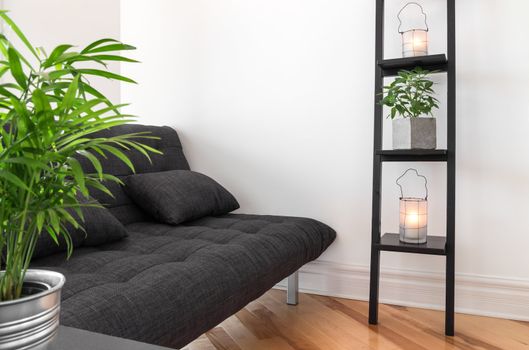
172	158
176	196
168	284
100	227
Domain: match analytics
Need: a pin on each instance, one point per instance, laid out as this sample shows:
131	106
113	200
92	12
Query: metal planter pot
414	133
32	321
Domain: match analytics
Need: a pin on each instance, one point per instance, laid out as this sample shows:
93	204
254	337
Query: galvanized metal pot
414	133
31	321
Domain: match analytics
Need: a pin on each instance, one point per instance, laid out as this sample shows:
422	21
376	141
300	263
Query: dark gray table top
77	339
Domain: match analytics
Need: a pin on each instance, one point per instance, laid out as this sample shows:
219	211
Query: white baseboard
476	295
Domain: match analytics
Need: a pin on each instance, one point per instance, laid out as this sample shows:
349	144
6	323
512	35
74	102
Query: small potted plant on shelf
410	96
48	110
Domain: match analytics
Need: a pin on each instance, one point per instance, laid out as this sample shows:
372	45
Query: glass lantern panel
415	43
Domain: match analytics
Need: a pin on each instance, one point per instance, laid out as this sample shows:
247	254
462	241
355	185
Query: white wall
76	22
274	99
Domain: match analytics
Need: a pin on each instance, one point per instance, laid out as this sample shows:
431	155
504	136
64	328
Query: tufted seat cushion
169	284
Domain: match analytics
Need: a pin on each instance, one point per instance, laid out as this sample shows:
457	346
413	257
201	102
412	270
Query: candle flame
412	218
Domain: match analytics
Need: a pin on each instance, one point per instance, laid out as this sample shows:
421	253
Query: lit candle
415	43
413	220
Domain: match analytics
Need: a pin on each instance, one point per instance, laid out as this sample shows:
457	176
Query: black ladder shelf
435	245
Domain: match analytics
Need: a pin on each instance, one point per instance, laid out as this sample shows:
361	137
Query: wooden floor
332	323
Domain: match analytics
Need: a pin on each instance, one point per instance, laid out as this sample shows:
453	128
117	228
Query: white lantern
414	40
413	221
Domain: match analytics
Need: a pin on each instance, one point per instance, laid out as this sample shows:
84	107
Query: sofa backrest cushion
121	206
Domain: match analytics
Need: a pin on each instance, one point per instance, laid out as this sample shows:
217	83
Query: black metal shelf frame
444	246
390	242
437	155
391	67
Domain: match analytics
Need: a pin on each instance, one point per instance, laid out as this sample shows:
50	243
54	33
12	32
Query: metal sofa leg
292	289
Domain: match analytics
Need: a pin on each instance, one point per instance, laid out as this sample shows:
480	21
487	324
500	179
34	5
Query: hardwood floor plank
395	336
202	343
478	332
258	328
291	320
295	338
234	327
346	331
401	317
321	323
221	340
401	323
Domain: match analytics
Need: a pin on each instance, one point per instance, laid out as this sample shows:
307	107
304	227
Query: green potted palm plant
411	97
48	111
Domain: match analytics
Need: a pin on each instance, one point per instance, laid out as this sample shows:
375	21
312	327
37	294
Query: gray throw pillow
176	196
100	227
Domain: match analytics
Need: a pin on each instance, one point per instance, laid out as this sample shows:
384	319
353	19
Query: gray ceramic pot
414	133
32	321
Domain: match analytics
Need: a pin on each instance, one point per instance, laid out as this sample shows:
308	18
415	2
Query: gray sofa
166	284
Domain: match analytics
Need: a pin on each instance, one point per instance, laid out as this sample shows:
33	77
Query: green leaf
41	102
19	107
97	43
104	58
65	215
51	231
34	163
119	154
99	186
78	174
6	93
84	108
13	179
111	47
19	33
95	162
40	220
16	68
55	86
112	178
68	57
70	95
112	58
55	224
56	53
105	74
59	73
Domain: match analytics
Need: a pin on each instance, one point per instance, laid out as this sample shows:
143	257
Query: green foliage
410	94
48	110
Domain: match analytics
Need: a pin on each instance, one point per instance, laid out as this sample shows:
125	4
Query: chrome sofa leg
292	289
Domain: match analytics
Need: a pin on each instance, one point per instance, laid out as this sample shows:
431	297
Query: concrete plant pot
414	133
31	321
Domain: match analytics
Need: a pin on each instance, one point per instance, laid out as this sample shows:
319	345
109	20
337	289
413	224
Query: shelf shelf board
413	155
435	245
391	67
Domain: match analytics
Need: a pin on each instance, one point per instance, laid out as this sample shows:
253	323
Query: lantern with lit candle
414	40
413	222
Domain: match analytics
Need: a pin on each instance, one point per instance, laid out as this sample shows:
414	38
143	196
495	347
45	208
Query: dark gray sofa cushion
176	196
99	227
121	205
168	284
